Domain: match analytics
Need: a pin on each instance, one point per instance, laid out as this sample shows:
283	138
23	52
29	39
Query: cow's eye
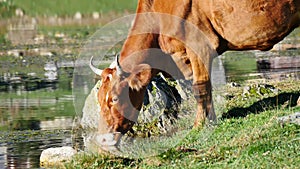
115	99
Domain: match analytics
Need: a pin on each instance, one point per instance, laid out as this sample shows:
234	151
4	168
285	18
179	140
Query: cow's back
247	24
254	24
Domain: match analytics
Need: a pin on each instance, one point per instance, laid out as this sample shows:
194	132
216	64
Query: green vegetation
2	36
256	141
70	7
43	9
7	9
75	32
250	93
295	34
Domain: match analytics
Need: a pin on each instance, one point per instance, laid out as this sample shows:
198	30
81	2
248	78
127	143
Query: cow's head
121	95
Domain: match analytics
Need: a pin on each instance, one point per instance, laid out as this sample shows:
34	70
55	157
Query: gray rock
91	110
293	118
161	102
56	156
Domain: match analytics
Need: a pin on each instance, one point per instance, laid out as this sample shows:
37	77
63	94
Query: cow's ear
140	76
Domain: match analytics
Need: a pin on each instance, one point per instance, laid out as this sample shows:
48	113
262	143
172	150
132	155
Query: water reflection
24	149
3	156
51	71
262	65
11	80
36	113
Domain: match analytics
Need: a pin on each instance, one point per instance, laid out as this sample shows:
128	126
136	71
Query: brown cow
187	34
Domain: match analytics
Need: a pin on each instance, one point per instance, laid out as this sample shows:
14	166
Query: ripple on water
22	149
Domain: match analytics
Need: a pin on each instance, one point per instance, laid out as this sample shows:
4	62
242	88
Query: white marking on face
110	76
106	98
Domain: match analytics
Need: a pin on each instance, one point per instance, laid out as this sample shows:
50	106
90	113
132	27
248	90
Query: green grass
237	97
7	9
70	7
256	141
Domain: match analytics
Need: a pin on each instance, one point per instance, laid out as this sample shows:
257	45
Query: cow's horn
118	67
94	69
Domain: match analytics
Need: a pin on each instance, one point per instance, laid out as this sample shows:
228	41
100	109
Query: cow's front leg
203	95
202	88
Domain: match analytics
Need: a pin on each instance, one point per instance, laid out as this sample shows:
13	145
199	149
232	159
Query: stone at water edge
56	156
91	110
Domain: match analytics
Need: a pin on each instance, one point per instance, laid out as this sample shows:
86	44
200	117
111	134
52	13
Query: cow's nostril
115	99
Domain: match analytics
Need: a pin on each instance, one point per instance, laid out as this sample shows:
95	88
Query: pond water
37	110
35	114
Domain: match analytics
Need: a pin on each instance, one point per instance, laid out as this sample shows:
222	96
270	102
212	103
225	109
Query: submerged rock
56	156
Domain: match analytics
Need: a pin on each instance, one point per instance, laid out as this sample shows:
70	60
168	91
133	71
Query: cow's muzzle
109	141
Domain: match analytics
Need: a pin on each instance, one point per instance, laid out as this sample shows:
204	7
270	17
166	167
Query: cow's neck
155	37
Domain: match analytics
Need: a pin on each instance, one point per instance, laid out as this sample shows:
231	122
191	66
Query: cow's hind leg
203	96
